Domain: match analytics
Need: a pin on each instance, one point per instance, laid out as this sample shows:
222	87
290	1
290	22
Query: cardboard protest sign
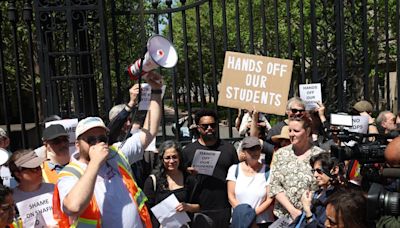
252	81
310	94
204	161
37	210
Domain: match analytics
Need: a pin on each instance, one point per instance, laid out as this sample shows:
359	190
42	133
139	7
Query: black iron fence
69	57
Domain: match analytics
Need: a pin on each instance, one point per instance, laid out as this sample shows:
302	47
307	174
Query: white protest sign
310	94
30	209
341	120
146	96
204	161
253	81
360	124
167	215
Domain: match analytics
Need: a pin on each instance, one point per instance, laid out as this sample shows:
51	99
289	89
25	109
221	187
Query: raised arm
153	117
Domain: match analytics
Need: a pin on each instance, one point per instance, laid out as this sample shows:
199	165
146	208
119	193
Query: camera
382	202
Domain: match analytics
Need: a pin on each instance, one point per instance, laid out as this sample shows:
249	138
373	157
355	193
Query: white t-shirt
251	190
116	205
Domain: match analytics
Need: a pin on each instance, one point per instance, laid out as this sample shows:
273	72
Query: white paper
30	209
310	94
146	96
341	120
360	124
204	161
167	215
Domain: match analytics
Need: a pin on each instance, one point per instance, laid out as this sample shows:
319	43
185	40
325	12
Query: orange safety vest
49	176
91	217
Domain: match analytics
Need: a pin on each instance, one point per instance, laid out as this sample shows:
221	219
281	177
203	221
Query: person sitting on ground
250	176
25	167
170	177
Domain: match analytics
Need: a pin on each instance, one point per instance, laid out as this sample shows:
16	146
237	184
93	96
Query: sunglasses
173	157
205	126
294	110
253	149
93	140
58	140
7	207
319	171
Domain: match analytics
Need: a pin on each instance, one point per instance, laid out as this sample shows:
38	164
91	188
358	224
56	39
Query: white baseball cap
88	123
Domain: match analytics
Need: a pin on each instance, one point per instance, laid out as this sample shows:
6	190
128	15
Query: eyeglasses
294	110
173	157
32	170
205	126
58	140
93	140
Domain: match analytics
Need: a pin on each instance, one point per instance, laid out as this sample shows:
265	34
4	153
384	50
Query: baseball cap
53	131
3	133
88	123
283	135
29	160
363	106
250	142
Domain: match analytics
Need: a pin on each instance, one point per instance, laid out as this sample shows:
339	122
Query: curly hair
159	171
205	112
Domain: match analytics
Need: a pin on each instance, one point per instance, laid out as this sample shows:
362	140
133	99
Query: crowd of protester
282	175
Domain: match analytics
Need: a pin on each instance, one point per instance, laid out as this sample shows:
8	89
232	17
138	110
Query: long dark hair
159	171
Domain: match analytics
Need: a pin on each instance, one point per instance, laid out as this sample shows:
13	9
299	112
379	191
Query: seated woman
25	167
247	183
329	175
290	169
169	178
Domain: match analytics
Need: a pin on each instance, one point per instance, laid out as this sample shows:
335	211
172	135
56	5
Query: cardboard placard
255	82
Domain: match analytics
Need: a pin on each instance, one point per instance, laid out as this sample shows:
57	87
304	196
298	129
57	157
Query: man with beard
211	191
56	143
